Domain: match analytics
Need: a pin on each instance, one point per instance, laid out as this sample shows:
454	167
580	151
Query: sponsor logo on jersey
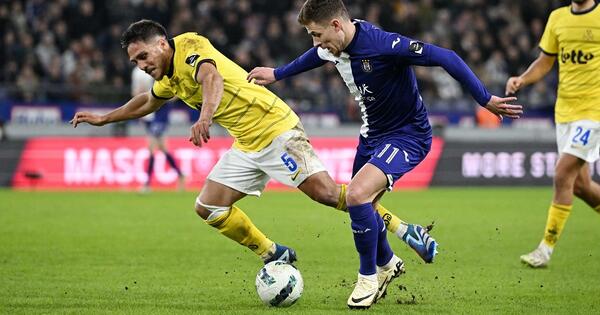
364	89
575	56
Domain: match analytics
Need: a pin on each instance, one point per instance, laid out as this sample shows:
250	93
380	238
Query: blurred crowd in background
69	50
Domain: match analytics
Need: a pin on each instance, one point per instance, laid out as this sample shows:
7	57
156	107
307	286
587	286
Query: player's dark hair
322	11
142	30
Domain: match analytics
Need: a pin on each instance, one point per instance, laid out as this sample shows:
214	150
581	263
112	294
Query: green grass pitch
122	253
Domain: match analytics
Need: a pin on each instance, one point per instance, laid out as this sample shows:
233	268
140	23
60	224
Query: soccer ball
279	284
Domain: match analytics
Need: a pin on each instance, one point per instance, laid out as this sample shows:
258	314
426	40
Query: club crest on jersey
366	65
588	36
191	60
415	47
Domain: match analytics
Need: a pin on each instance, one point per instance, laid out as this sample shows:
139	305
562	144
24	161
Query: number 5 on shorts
289	162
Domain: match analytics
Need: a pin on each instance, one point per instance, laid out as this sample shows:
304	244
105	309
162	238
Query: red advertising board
120	163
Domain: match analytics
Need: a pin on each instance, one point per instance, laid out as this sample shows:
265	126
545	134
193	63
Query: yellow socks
391	221
342	199
557	217
236	225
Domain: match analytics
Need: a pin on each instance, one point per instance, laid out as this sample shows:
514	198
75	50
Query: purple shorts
394	155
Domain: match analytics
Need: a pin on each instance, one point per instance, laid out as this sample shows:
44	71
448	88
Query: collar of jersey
584	11
171	67
354	39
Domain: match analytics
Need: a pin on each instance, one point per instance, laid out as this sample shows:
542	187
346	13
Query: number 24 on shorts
581	136
289	162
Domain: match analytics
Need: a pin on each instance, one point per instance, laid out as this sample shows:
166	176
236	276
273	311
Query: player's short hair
322	11
142	30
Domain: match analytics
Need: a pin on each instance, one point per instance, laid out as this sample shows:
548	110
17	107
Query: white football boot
538	258
365	292
385	274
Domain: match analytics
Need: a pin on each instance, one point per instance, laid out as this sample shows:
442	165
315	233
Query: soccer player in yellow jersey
572	35
269	139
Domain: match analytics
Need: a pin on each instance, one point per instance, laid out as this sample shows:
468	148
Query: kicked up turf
123	253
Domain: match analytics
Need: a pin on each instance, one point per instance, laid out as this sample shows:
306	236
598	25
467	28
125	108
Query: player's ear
161	42
337	24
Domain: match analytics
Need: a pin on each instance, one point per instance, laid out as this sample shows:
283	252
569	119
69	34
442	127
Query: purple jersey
376	67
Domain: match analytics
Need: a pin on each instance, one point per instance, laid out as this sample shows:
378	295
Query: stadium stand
68	51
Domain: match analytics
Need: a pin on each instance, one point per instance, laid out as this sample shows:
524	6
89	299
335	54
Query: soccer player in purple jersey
395	135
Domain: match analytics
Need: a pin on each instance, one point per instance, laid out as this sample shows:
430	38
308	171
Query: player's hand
513	85
499	106
87	117
200	131
262	75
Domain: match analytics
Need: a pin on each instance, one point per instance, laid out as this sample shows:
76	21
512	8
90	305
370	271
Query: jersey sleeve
200	53
406	52
549	42
403	50
162	90
307	61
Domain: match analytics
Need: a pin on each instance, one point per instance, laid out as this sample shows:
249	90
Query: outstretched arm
460	71
536	71
417	53
138	106
264	75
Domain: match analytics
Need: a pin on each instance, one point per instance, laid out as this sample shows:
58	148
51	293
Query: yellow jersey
575	39
250	113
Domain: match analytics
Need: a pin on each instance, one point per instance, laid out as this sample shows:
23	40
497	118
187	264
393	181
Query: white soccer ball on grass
279	284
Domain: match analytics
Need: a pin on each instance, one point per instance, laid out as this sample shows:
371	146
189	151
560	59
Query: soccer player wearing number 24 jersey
395	135
572	36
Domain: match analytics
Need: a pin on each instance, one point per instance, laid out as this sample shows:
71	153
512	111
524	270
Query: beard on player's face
579	1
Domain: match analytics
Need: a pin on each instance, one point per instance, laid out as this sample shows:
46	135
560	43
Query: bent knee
202	211
208	212
356	196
